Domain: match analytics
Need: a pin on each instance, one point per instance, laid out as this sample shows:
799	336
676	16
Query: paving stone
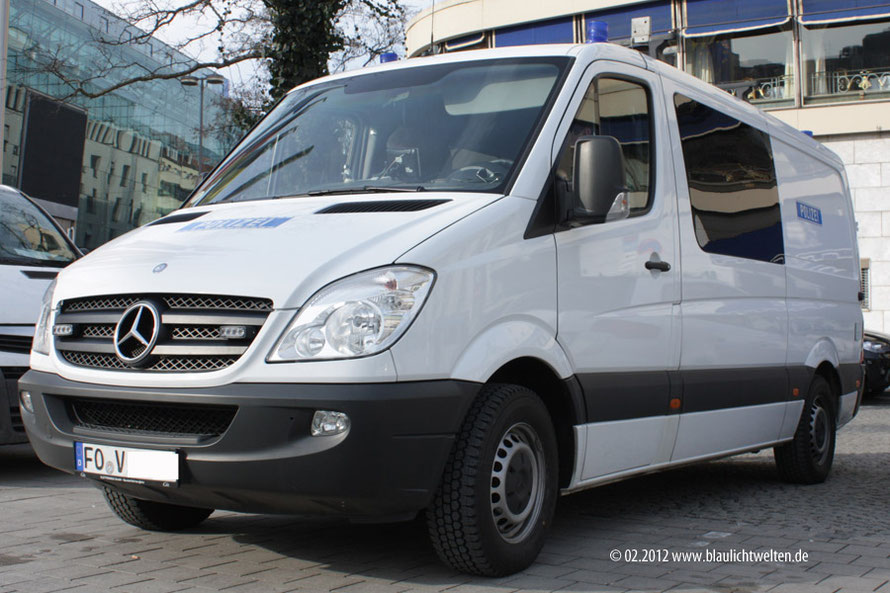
58	533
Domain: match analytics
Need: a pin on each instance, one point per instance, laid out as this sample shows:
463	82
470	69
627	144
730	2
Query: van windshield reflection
456	127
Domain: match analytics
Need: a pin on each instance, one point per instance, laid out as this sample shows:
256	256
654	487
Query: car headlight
356	316
43	332
873	346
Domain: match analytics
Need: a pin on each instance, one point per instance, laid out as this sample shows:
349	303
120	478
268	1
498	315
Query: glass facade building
774	53
101	165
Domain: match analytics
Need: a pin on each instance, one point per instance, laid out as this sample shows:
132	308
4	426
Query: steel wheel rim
517	483
820	433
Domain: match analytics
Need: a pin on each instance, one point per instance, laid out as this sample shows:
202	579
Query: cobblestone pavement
56	534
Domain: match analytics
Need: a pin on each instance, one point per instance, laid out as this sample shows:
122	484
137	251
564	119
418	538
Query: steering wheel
487	172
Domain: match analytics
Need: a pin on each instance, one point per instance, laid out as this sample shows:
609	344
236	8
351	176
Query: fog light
326	424
63	329
27	404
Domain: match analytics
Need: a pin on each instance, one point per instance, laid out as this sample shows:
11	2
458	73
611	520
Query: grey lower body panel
388	464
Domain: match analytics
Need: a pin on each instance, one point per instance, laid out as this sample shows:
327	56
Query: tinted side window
618	108
732	184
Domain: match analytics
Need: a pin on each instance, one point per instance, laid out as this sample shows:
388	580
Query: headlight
43	331
873	346
357	316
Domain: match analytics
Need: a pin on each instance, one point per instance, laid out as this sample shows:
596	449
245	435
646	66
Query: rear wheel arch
827	371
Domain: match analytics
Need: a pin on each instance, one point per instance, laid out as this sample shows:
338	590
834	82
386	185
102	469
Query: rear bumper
388	464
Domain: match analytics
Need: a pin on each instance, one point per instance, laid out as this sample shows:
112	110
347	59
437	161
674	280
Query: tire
807	458
492	510
153	516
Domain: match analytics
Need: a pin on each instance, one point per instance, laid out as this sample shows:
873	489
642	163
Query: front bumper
388	464
877	372
11	429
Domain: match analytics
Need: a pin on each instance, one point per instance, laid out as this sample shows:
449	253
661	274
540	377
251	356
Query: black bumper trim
388	464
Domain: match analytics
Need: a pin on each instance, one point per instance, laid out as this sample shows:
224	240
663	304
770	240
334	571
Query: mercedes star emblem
137	332
159	268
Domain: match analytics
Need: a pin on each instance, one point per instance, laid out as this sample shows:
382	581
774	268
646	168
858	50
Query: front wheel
807	458
153	516
498	492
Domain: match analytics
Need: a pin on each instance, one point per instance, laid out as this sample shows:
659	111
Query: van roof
607	51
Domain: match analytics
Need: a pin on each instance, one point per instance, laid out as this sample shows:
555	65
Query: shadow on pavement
740	496
20	467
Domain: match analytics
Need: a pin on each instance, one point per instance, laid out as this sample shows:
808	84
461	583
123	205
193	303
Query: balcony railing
848	83
761	90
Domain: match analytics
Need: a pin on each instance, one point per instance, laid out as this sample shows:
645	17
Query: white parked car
463	285
32	250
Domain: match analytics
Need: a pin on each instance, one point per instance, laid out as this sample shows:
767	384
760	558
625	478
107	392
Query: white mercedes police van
462	285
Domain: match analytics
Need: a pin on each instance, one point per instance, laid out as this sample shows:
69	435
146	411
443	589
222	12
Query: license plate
125	464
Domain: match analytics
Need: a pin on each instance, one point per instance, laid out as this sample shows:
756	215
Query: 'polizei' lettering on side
809	213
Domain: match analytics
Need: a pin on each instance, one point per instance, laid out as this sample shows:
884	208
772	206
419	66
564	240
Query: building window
732	184
745	48
757	68
94	164
864	284
103	24
846	62
125	173
78	10
116	210
561	30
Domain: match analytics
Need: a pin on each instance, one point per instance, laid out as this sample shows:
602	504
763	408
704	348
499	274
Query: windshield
459	127
28	237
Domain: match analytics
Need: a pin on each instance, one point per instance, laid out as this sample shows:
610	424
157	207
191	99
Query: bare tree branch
126	53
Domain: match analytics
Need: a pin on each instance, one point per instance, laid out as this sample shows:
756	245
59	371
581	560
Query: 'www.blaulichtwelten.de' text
716	556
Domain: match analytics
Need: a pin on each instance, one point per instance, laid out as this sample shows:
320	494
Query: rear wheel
153	516
498	493
807	458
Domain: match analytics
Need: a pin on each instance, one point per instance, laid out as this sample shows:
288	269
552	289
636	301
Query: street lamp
201	82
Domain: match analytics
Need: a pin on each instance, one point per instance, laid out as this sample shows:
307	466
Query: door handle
661	266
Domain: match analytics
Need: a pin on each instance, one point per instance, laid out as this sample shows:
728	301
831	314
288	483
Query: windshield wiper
366	189
33	263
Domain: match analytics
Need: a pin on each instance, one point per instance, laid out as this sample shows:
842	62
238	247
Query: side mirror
599	181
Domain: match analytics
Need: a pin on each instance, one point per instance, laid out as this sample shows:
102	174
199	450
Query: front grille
124	417
218	302
196	332
164	364
105	330
178	301
11	376
189	339
15	417
17	344
109	303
